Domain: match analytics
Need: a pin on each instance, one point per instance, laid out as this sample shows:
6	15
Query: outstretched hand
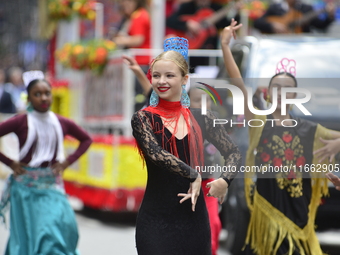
218	189
331	148
193	192
334	179
229	31
132	63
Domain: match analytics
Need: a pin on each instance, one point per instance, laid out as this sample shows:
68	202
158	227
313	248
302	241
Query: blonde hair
175	57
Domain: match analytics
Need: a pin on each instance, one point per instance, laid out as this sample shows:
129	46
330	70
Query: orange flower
101	55
256	9
65	9
91	55
83	10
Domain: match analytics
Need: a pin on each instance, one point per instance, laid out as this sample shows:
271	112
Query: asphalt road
103	233
107	233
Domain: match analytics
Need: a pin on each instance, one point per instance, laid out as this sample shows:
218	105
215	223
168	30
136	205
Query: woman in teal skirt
41	219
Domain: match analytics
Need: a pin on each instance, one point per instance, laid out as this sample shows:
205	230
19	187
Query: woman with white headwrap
41	219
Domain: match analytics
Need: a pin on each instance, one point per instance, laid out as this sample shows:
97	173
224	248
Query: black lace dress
164	226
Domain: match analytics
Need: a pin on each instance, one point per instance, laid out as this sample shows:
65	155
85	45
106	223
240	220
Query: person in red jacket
134	32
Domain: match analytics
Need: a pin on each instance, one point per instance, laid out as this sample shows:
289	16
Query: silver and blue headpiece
178	44
32	75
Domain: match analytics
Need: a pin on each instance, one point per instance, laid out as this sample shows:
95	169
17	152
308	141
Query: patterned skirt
42	221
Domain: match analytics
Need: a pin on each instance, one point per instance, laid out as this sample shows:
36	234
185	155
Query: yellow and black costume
283	204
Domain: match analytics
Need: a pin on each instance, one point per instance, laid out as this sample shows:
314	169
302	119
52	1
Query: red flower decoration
265	157
289	154
300	161
277	162
265	140
287	138
148	75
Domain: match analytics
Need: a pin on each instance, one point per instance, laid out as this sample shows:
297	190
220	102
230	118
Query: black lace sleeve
153	151
219	137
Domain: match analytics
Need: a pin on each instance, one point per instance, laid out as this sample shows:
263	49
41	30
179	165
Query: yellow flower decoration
91	55
67	9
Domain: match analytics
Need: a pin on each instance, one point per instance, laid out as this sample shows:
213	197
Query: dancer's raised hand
229	31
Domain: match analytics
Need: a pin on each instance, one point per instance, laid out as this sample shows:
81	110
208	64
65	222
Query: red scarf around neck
170	113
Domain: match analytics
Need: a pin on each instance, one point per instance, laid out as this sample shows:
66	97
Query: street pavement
107	233
100	233
103	233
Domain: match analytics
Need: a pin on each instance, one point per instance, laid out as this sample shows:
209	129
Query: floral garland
87	55
67	9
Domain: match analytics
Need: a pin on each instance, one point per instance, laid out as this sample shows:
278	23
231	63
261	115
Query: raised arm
152	150
230	64
137	70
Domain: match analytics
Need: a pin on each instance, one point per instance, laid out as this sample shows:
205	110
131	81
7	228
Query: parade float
92	86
